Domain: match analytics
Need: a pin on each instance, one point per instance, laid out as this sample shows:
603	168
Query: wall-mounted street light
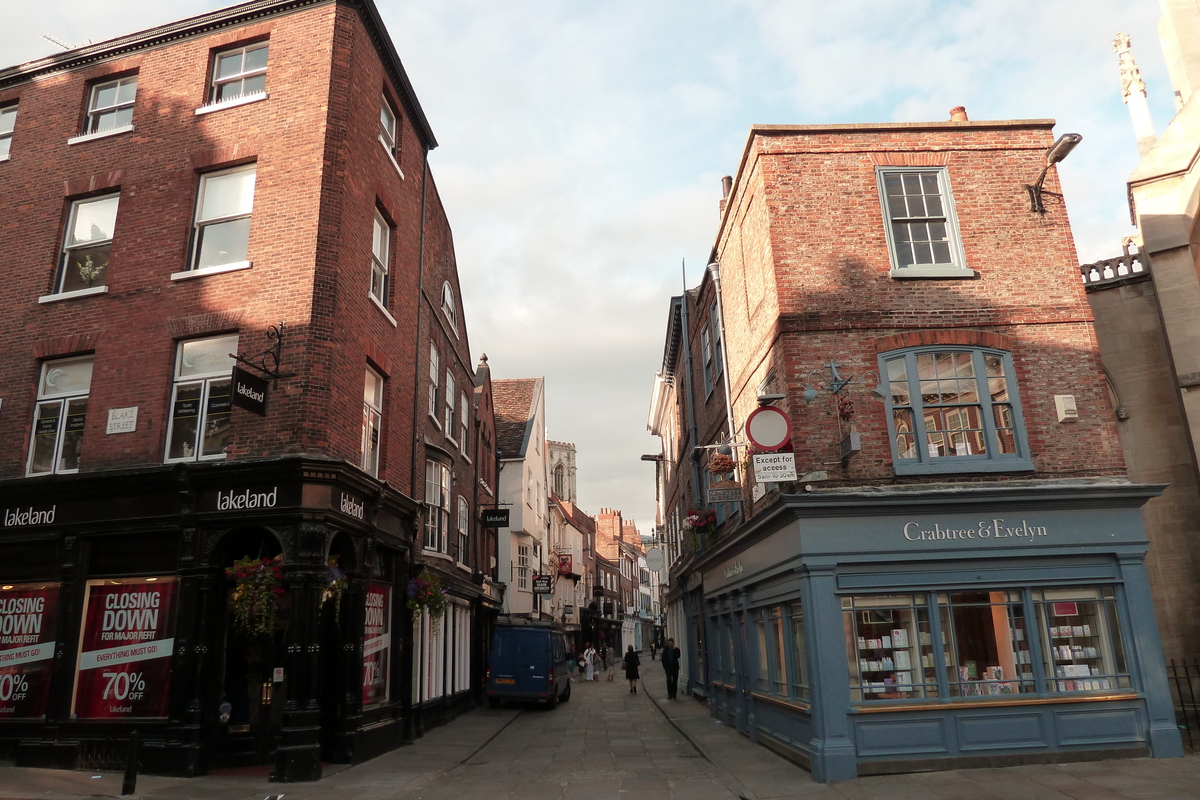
1057	152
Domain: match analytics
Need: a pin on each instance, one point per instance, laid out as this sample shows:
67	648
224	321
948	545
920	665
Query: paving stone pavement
607	743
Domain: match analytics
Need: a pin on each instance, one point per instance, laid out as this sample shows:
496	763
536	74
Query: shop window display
985	642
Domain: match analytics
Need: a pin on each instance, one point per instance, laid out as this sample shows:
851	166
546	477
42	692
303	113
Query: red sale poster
28	624
377	644
125	649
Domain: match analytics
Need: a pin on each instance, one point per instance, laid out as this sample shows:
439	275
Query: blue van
528	662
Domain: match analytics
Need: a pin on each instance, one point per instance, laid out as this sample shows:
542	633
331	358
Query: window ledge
438	555
392	158
952	464
959	273
205	271
88	292
386	313
87	137
232	102
6	157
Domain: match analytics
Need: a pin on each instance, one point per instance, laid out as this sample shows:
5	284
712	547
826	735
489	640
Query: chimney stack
958	114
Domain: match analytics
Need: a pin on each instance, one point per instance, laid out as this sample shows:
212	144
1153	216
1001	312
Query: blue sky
582	147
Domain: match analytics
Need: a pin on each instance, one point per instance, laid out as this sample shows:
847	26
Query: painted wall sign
125	649
122	420
28	627
995	528
377	644
494	517
29	517
351	506
234	500
249	391
253	498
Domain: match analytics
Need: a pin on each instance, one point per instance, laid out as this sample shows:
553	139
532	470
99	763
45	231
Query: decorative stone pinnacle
1131	76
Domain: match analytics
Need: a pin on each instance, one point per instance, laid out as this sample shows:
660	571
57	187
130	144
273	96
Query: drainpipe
693	436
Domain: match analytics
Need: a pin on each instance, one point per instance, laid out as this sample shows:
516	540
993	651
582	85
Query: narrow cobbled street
607	744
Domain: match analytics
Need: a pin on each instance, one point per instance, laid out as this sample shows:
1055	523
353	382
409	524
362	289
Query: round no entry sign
768	428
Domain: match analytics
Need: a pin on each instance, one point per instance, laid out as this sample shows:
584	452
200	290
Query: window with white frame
449	308
59	416
87	244
450	394
437	505
239	73
922	228
372	422
198	428
435	374
8	121
221	235
954	409
714	321
381	239
464	527
387	126
522	566
464	420
110	105
706	354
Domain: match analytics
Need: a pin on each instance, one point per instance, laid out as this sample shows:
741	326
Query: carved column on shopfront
298	757
834	756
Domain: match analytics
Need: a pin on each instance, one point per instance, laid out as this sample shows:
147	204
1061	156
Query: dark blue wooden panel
890	734
1001	731
1100	725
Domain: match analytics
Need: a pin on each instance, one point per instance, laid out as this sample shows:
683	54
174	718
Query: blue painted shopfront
887	630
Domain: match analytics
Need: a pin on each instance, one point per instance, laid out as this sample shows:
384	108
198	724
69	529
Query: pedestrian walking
589	663
670	662
610	657
631	668
652	649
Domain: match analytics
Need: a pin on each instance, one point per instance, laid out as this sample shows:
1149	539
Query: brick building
250	181
957	570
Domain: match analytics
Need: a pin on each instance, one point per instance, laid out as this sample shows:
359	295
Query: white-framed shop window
198	427
59	417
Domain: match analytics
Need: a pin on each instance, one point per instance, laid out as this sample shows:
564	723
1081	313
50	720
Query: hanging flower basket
336	584
425	592
700	521
255	599
720	464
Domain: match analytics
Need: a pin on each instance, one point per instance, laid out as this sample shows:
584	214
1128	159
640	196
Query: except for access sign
774	467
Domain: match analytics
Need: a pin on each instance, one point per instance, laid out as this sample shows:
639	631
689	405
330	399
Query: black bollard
129	785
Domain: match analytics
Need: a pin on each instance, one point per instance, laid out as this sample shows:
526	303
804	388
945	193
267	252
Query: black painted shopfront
117	616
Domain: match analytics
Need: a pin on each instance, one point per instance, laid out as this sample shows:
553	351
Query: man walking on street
670	662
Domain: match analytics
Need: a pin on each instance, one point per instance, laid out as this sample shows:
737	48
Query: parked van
528	662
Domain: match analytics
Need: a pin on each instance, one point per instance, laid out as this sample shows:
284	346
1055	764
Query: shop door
252	699
742	672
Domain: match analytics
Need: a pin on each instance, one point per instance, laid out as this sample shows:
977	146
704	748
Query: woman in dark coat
631	668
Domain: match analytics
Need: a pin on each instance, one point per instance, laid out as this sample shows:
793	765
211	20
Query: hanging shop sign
725	492
564	564
655	560
249	391
28	627
543	584
774	467
125	649
768	428
494	517
377	644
